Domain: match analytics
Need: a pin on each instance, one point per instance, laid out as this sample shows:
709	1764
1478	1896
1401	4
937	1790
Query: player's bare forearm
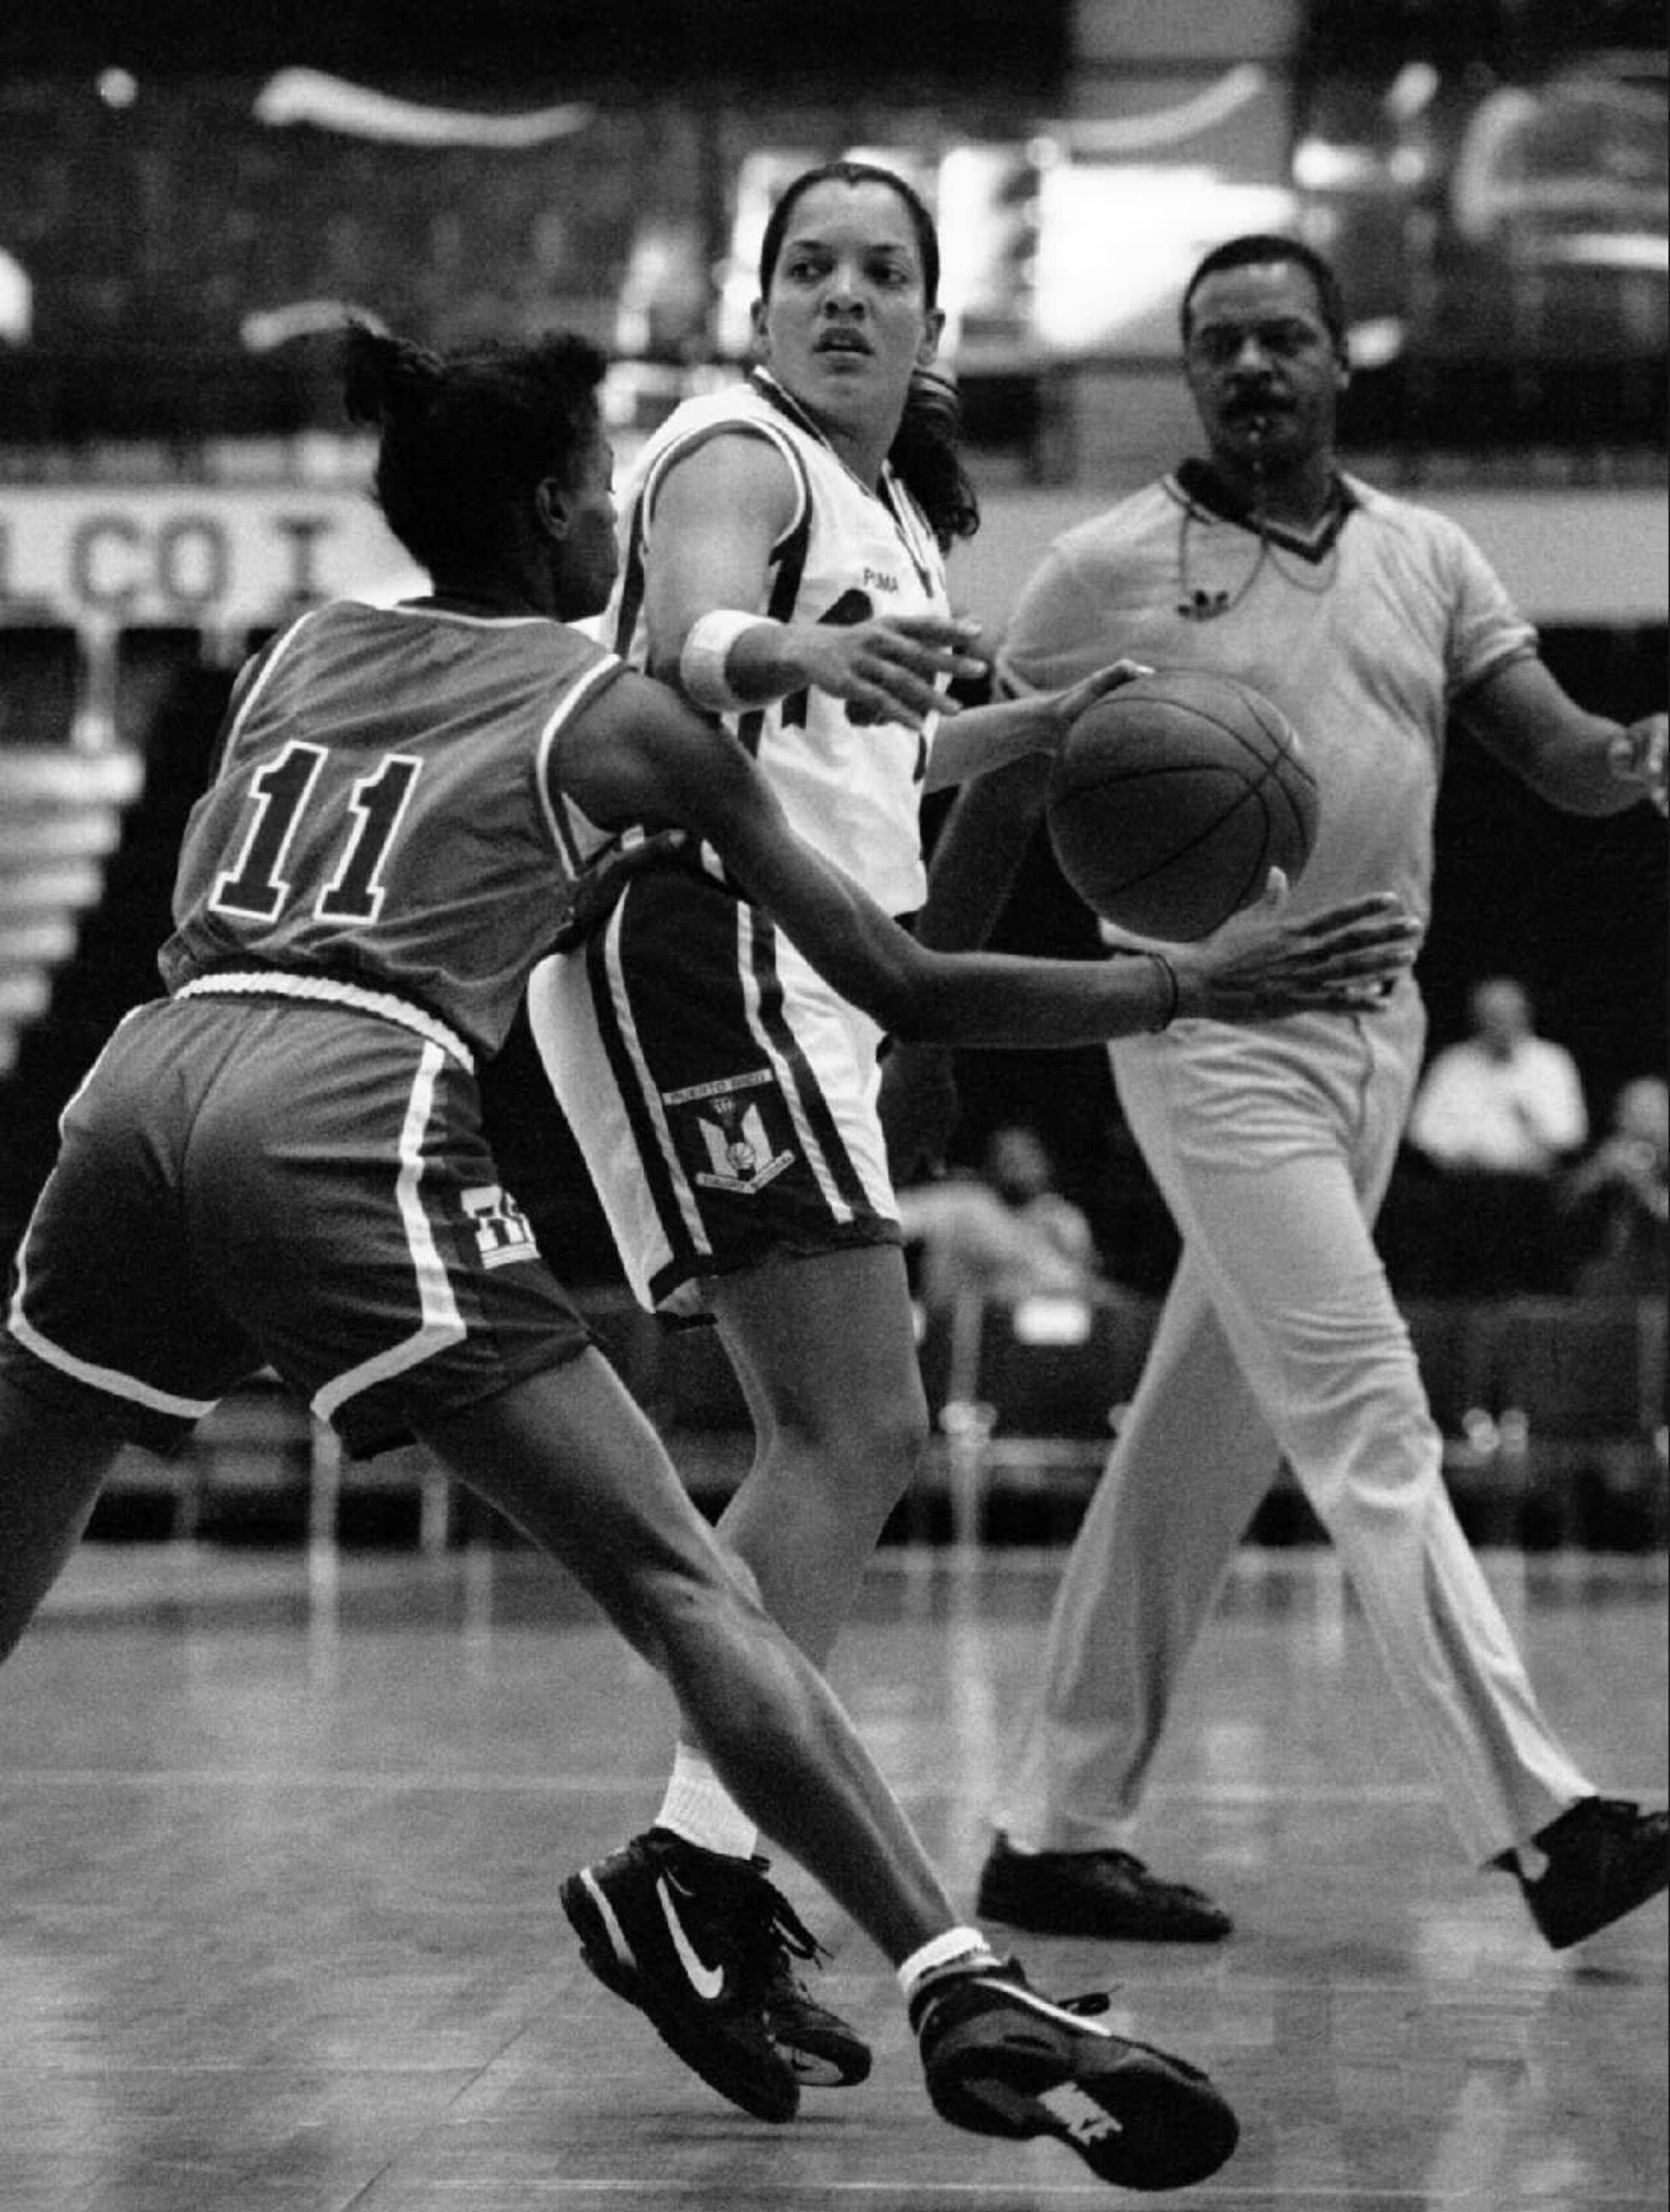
1257	967
986	738
982	739
637	752
978	855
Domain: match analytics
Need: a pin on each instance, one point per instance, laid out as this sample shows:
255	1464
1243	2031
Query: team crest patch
730	1132
502	1234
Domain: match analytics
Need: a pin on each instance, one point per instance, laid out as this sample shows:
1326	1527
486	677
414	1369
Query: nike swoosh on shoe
707	1982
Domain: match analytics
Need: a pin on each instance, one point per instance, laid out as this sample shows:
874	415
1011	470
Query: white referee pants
1279	1338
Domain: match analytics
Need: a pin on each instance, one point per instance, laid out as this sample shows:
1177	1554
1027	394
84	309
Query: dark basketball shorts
724	1097
246	1182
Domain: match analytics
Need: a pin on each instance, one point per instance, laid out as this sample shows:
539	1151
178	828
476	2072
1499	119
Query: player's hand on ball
1260	963
1638	757
1065	706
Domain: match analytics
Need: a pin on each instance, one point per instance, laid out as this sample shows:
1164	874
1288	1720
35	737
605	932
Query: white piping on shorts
330	991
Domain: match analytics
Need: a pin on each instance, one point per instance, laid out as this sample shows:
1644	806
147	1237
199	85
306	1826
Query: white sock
961	1948
699	1808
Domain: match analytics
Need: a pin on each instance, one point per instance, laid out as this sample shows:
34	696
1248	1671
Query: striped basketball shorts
723	1096
246	1182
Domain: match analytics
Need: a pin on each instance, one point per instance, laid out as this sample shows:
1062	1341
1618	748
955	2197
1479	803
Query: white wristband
706	650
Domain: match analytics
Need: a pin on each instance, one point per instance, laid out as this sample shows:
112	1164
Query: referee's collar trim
1197	483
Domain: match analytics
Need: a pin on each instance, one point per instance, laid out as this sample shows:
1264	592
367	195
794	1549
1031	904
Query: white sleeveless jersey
851	792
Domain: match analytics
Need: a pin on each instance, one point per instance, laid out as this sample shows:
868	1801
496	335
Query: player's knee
875	1435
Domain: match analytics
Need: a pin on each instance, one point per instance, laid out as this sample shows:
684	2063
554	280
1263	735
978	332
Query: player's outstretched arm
636	754
719	513
985	738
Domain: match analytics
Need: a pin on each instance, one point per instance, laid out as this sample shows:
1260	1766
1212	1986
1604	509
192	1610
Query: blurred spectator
666	295
1005	1233
1615	1204
16	302
1503	1101
1497	1114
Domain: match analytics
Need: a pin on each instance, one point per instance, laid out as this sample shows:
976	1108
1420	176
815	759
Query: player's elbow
893	1005
894	992
925	1011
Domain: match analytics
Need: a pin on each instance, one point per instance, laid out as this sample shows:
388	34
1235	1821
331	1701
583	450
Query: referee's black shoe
1605	1857
1001	2060
1109	1893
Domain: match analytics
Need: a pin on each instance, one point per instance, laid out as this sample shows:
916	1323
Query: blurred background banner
220	556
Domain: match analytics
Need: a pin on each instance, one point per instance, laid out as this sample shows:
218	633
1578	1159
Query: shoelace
783	1926
764	1925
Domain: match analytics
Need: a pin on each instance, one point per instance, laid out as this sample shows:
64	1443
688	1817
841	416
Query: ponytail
926	459
385	377
465	438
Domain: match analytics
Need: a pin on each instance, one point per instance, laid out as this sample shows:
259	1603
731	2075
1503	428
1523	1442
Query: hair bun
382	375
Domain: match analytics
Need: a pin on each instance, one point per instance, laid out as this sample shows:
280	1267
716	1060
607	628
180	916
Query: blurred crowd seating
97	778
1551	1412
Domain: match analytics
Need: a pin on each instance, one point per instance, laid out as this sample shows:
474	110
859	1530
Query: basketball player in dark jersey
281	1164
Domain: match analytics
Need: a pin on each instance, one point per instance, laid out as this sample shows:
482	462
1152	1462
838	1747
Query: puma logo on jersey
1083	2119
707	1982
879	580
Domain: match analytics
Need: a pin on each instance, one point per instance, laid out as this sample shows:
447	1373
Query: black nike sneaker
672	1928
706	1947
1000	2060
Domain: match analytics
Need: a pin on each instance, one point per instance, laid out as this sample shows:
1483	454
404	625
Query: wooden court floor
281	1836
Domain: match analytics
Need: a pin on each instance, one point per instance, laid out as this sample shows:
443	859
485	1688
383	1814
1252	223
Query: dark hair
1264	245
924	452
464	438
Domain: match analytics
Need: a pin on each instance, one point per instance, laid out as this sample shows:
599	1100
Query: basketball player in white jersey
1369	620
783	562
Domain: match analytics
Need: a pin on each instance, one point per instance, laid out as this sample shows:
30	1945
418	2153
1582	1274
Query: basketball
1172	800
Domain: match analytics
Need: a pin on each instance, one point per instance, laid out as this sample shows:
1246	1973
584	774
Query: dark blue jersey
386	810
